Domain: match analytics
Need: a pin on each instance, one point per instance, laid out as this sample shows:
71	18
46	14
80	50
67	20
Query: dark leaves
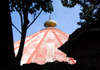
89	9
34	5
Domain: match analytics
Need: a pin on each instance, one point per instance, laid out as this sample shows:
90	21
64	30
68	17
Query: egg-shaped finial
50	23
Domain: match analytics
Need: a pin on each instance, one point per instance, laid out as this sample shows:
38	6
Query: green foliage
90	10
69	3
34	5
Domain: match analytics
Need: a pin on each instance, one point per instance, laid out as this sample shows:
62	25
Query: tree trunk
24	30
6	48
20	52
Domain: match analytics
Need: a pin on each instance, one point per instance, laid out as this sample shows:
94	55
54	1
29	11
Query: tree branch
34	19
16	28
34	14
20	17
21	20
24	30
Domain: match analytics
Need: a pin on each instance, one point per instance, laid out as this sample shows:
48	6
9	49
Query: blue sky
66	19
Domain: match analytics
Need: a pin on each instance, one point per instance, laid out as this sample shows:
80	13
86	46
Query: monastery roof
42	47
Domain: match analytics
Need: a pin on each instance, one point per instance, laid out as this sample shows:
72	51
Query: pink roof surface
42	47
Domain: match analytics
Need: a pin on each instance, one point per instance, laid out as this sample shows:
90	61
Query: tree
6	48
23	7
83	44
90	10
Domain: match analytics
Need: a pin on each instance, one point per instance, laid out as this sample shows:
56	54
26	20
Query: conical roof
42	47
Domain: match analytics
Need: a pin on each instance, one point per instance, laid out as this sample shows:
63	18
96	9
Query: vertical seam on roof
25	48
62	32
30	38
56	36
32	55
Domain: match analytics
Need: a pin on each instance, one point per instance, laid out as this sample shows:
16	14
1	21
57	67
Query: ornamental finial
50	17
50	23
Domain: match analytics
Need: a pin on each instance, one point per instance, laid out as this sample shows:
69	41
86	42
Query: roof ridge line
30	58
30	38
56	36
62	32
